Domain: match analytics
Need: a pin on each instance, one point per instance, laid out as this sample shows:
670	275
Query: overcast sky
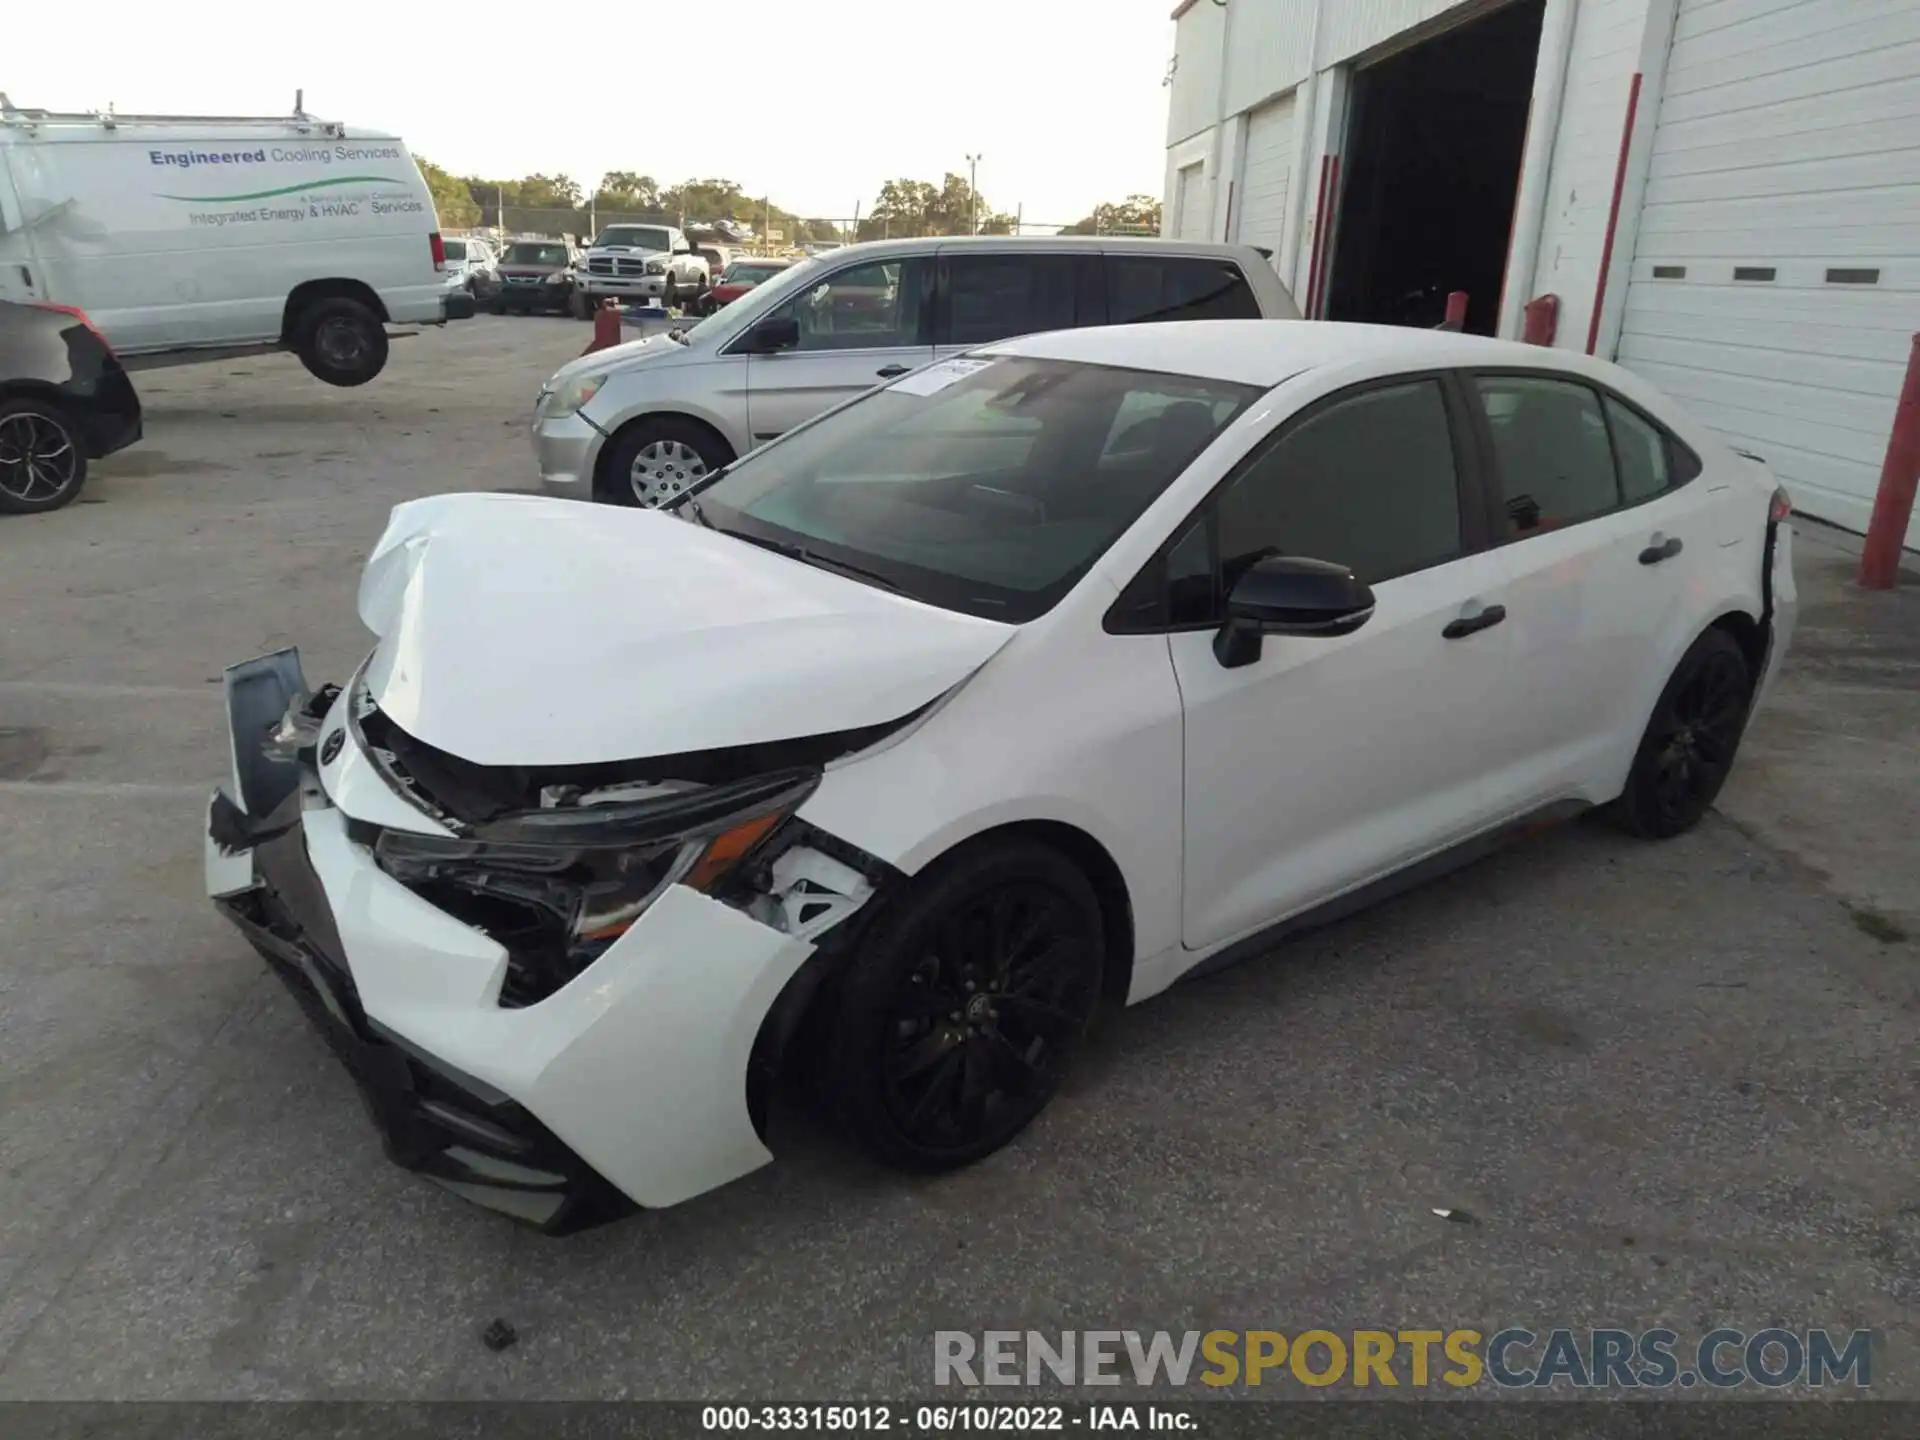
817	101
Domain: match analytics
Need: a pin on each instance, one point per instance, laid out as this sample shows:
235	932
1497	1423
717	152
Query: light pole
973	194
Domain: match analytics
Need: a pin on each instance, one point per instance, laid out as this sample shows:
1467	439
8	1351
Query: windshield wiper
692	507
819	562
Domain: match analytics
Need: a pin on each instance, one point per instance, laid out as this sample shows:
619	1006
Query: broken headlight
557	886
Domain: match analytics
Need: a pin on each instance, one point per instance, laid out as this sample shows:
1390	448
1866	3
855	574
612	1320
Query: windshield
986	485
641	237
746	272
536	254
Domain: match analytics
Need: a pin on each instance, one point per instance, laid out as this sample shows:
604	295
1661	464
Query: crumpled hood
517	630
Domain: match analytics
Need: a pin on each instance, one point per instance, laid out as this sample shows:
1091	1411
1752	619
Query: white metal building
1722	194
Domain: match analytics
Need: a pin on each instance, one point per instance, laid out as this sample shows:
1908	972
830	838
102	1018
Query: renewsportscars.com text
1511	1358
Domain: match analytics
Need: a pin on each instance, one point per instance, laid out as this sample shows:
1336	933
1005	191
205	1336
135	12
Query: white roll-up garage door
1260	209
1776	276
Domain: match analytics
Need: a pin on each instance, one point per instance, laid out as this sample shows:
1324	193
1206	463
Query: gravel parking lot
1667	1084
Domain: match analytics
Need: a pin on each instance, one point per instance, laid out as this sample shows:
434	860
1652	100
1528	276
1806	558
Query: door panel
1331	761
854	325
1588	615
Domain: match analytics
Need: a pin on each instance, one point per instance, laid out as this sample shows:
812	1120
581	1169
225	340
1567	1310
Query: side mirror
776	332
1290	595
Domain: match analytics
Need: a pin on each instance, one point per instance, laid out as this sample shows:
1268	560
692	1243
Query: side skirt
1421	872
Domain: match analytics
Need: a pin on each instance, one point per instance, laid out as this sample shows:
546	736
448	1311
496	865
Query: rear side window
992	297
1645	456
1551	447
1144	288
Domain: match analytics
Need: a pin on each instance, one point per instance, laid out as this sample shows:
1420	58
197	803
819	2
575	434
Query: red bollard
606	327
1899	479
1542	320
1456	311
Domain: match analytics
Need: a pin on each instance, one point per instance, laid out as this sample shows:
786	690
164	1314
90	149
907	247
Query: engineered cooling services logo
1412	1359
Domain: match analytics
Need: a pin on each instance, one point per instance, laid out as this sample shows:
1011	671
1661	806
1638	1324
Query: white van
190	238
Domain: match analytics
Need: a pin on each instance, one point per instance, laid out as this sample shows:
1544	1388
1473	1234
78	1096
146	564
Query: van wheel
650	464
341	341
42	466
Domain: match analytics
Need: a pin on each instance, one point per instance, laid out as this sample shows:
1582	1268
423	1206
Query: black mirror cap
1291	595
776	332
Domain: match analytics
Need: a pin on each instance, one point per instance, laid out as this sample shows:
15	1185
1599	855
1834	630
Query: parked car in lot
538	275
1040	678
635	424
640	263
196	238
741	276
471	266
64	400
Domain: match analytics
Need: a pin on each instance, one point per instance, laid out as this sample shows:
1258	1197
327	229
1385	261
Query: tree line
902	208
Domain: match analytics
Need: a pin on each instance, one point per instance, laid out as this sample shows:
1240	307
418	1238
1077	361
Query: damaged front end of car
508	956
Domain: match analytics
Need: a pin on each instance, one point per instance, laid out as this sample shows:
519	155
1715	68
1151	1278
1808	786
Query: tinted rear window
1152	287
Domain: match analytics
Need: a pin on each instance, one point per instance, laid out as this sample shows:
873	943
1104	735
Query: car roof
1028	244
1266	352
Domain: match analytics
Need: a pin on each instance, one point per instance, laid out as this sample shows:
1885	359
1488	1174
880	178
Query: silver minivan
638	423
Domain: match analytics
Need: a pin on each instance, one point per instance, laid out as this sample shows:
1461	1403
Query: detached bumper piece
457	307
448	1127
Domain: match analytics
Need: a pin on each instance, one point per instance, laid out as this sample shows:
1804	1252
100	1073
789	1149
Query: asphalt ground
1660	1084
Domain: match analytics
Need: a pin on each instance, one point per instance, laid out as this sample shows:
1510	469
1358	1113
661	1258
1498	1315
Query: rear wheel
42	464
968	997
1690	742
341	341
658	460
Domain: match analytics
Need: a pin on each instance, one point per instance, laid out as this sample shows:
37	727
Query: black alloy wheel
42	464
965	1004
1689	745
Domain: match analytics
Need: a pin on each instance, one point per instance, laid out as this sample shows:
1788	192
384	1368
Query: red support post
1542	320
1456	311
606	327
1899	479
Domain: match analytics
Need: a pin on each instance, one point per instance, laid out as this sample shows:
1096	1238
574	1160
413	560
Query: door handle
1660	550
892	370
1473	624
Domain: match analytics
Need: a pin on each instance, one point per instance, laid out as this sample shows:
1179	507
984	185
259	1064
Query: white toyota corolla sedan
1036	680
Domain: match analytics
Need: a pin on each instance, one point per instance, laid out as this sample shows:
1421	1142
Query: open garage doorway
1432	171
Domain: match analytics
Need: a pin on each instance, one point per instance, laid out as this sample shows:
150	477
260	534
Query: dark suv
535	275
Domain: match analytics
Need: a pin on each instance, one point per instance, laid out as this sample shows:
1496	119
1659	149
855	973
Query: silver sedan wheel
37	458
663	470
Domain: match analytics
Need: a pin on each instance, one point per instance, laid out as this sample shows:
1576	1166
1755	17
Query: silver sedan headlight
571	395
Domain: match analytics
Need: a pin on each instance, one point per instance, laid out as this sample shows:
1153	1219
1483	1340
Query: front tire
43	463
341	341
955	1021
1690	741
655	461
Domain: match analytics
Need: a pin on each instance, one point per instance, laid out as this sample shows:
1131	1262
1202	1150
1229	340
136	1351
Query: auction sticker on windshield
937	377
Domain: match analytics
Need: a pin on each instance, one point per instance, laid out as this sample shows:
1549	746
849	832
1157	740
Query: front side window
872	306
1551	448
992	297
982	485
1368	482
1143	288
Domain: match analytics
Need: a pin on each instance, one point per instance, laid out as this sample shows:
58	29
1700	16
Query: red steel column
1899	478
1456	311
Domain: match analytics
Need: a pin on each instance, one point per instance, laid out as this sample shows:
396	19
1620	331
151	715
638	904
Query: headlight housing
656	267
555	278
574	394
557	887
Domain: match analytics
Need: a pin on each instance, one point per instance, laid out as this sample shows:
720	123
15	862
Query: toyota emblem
331	746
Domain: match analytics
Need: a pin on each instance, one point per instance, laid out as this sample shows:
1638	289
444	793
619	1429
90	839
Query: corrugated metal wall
1351	26
1193	104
